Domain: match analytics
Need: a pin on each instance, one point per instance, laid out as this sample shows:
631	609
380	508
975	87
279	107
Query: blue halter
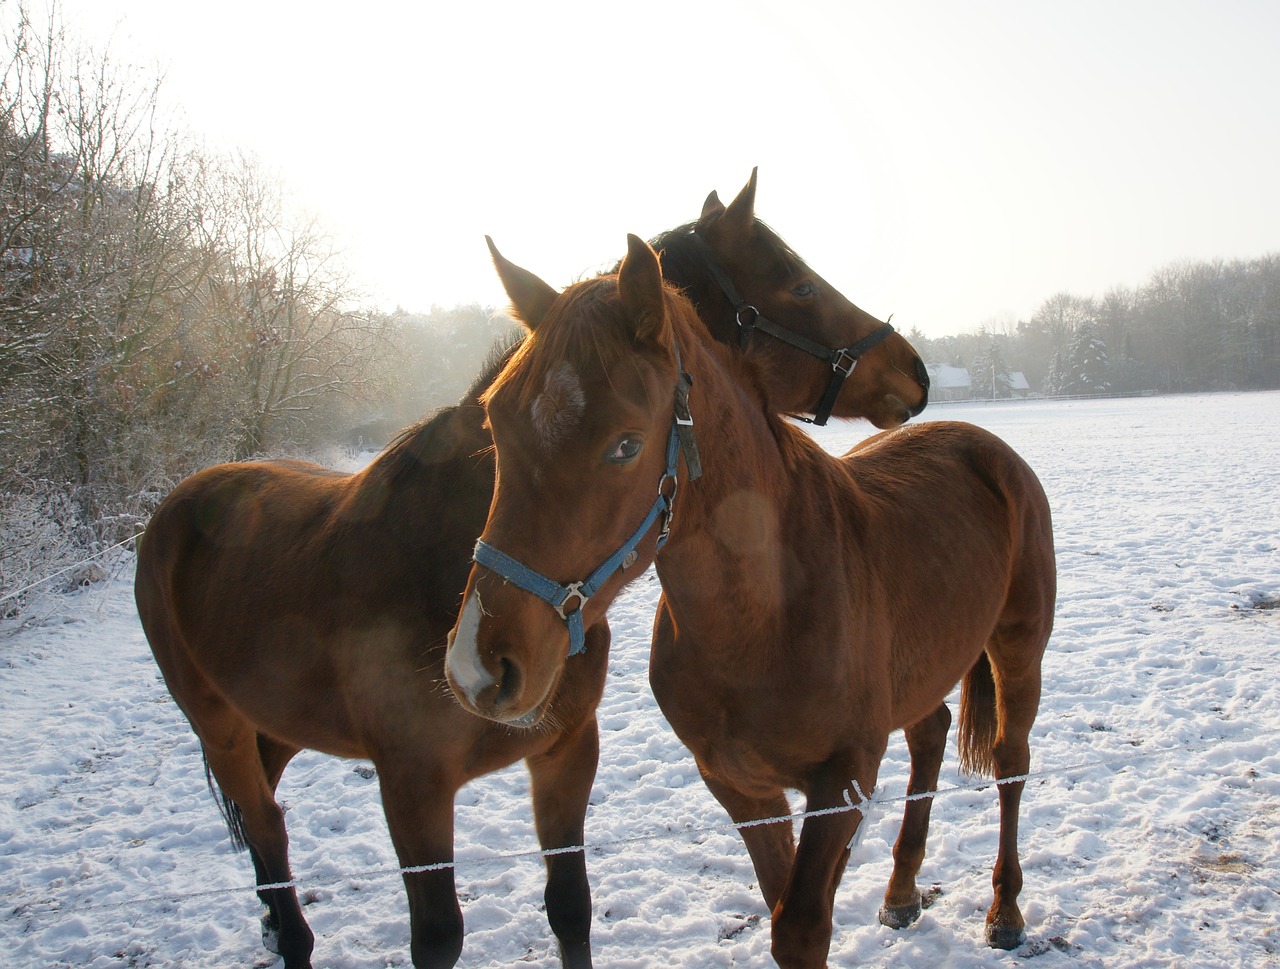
558	596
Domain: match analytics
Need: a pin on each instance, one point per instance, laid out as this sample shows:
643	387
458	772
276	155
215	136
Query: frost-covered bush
40	534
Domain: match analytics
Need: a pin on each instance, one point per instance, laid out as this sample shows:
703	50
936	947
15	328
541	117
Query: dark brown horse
811	605
292	607
752	291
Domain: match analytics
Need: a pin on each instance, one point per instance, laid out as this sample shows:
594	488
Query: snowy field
1149	826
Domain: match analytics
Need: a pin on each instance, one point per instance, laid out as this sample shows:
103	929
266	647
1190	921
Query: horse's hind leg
1017	696
926	740
232	749
561	781
275	757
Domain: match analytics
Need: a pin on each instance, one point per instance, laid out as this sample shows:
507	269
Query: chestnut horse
811	605
292	607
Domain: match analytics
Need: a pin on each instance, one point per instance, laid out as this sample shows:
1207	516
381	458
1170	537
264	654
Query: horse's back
964	509
282	584
946	459
233	511
967	451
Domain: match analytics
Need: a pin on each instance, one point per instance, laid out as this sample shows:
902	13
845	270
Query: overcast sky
954	164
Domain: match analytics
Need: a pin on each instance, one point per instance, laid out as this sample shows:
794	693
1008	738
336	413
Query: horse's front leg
419	809
561	781
802	918
772	847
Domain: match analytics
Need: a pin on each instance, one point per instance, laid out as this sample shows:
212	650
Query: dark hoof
575	956
900	916
1005	936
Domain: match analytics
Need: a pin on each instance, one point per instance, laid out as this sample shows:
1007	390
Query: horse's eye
805	291
626	450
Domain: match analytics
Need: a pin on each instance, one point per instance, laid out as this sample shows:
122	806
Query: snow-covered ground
1148	834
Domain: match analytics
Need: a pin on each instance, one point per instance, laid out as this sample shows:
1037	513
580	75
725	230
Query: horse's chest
747	738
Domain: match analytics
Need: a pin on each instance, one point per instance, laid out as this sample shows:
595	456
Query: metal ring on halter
664	529
675	486
572	589
748	308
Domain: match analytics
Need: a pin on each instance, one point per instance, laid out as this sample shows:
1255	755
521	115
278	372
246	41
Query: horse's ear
640	288
712	208
740	216
530	297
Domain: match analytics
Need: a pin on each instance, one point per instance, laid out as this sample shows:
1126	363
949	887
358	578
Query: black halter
841	359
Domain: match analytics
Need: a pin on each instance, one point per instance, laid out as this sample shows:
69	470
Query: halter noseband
558	595
749	319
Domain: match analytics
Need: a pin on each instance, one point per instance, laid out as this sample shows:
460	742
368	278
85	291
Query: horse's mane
682	262
502	350
416	443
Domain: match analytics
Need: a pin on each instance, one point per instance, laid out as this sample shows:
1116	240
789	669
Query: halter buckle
843	362
571	590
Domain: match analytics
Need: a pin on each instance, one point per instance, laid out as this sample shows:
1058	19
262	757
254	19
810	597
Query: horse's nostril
510	682
922	378
922	374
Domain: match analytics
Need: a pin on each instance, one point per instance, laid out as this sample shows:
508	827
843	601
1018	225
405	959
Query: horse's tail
228	808
978	719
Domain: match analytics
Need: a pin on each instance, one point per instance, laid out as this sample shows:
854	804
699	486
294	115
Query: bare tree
160	310
281	313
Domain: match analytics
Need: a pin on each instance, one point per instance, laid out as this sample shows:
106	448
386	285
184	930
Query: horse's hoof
1005	936
900	916
270	932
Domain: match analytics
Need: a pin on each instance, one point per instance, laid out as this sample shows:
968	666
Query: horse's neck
734	529
788	378
417	475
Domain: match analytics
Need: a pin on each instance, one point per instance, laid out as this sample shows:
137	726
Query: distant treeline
1191	327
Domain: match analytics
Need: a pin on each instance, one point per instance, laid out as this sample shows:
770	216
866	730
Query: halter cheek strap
750	319
842	361
569	599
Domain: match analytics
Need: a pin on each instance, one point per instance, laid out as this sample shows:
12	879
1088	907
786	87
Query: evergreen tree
989	374
1087	366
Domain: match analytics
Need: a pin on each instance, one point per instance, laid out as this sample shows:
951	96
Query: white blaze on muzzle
463	663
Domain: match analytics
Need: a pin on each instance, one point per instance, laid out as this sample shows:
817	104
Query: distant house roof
1018	380
946	377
